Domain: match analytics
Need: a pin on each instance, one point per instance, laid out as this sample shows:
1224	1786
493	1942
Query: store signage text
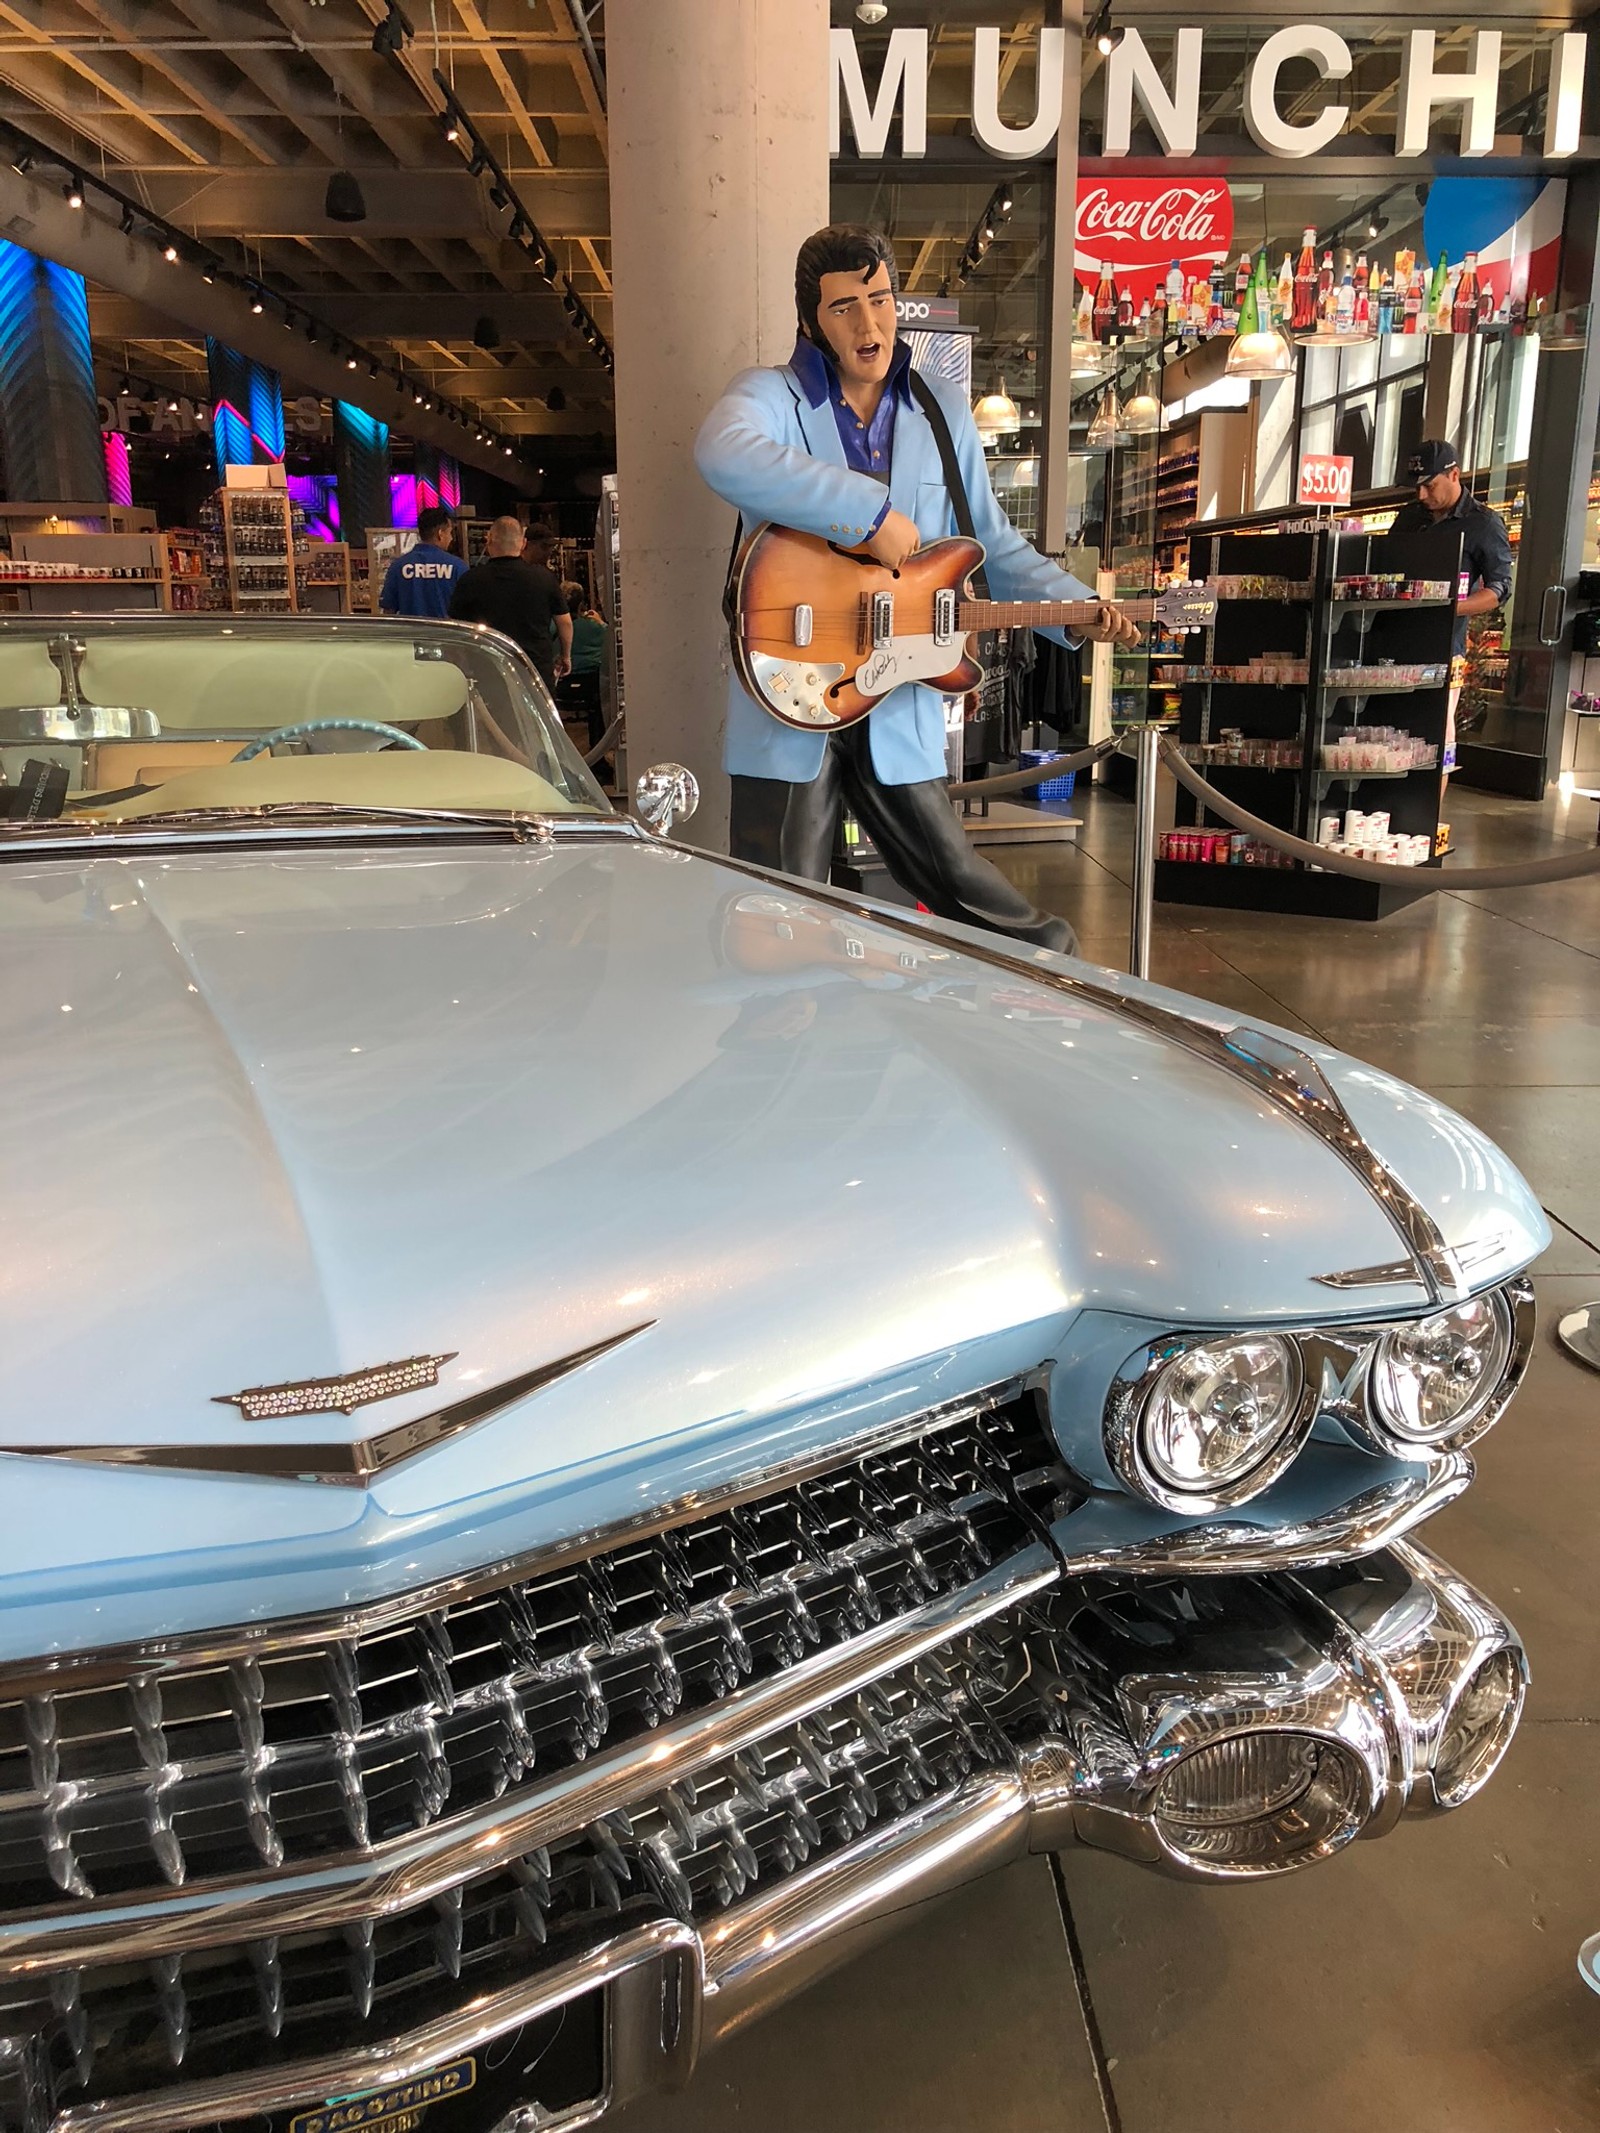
1325	478
1143	223
1171	106
928	312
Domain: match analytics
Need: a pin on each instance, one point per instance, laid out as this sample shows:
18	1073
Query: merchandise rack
1328	634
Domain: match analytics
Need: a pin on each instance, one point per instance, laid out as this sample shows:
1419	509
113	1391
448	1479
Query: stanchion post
1146	758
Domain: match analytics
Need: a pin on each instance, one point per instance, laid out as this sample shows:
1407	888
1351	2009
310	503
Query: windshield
119	720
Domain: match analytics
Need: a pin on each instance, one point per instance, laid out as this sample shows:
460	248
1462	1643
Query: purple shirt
868	446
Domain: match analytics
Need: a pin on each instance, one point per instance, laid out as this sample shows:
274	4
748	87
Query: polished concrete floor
1426	1982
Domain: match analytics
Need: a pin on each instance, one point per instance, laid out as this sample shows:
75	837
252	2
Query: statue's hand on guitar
1111	626
895	540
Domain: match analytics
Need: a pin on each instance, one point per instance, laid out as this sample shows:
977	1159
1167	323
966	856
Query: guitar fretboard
1042	614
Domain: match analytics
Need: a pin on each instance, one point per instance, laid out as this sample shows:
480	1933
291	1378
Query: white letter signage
905	73
1330	55
1016	142
1563	116
1130	72
1476	89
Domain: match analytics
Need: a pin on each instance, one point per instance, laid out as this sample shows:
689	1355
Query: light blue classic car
584	1427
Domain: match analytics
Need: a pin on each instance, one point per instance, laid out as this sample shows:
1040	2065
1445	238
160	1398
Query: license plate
556	2061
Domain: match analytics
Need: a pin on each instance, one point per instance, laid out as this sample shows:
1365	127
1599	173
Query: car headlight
1433	1379
1211	1425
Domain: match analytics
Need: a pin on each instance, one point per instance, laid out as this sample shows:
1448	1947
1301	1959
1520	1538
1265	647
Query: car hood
288	1115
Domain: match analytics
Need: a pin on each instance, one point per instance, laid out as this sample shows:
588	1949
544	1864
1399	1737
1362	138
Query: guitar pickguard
797	689
906	659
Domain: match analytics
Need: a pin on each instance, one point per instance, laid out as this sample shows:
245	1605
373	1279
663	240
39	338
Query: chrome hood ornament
336	1396
355	1463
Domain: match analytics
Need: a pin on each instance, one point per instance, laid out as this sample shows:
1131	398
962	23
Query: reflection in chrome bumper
1217	1728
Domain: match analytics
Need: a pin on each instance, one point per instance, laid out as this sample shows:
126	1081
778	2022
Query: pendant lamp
1106	428
1141	415
1260	348
1089	358
997	415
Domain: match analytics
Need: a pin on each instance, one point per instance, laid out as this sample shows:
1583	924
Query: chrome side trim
413	1869
1290	1078
243	1640
1224	1547
654	1976
1396	1272
796	1931
352	1463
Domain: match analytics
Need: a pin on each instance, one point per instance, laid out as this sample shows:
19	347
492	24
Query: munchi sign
1171	102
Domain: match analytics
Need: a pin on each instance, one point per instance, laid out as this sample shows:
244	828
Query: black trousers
915	828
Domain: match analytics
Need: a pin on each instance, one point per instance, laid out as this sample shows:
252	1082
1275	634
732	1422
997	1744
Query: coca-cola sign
1137	227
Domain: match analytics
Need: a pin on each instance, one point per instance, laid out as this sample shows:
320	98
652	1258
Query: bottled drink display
1105	304
1305	285
1464	311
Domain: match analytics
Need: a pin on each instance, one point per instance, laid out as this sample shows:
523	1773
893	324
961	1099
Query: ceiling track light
72	191
125	222
391	35
169	252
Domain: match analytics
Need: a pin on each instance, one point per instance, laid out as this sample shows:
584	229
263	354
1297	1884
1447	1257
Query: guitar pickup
944	617
802	625
882	620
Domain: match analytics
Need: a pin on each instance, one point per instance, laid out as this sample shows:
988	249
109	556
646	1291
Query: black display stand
1329	635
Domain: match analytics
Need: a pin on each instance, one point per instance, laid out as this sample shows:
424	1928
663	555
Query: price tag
1325	478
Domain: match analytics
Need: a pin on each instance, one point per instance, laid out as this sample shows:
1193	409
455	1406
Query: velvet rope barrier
1020	780
1426	880
604	742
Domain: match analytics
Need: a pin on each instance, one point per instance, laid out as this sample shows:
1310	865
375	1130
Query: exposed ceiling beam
400	203
103	79
385	315
540	139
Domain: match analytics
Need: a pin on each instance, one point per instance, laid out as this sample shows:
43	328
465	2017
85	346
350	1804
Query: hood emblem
355	1464
336	1396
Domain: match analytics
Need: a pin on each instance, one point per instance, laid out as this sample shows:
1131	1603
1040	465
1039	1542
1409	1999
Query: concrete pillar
719	167
49	415
361	468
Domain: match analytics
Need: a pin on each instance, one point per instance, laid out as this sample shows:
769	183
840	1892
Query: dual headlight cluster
1200	1423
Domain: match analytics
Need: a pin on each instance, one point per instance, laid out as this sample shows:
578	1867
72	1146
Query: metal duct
38	218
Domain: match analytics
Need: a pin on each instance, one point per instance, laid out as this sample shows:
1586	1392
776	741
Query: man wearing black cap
1485	545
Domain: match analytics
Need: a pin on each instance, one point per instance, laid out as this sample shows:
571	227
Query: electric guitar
820	633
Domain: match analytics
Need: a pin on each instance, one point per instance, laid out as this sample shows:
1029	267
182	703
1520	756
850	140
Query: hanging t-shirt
420	582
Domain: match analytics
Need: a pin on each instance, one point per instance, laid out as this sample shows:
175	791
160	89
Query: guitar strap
928	400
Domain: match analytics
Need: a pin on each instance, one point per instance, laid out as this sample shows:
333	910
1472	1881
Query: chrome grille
804	1792
292	1747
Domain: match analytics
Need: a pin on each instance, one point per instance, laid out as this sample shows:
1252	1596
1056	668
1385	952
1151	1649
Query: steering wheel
264	741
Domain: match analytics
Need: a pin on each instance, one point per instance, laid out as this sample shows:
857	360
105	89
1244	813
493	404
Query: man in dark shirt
1485	550
1485	544
421	581
519	597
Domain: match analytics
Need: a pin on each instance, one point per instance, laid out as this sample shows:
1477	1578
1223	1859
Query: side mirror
664	794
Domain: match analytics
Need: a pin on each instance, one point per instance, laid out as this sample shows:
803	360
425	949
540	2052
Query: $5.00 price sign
1325	478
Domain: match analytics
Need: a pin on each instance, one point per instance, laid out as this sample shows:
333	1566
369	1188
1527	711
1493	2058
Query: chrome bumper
1372	1667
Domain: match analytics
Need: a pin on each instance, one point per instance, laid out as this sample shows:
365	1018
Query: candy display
1390	585
1245	586
1279	670
1220	848
1252	754
1378	748
1387	674
1362	836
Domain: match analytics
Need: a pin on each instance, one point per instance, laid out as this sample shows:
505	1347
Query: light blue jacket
772	455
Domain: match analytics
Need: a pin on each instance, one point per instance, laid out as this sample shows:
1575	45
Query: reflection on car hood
292	1116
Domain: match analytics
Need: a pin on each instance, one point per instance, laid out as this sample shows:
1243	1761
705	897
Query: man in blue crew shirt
420	582
834	443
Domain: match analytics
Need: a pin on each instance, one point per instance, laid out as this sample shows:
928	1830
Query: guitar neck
1043	614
